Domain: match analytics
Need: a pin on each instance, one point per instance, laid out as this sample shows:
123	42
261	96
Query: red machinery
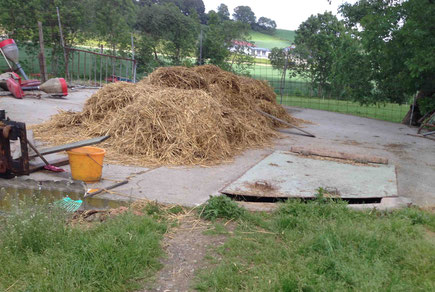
10	51
54	86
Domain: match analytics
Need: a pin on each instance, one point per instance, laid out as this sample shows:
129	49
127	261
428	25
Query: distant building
250	49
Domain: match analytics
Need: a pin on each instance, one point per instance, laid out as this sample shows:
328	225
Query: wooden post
42	63
65	54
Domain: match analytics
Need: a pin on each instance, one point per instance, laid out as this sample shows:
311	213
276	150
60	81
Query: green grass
39	252
284	34
281	39
262	40
325	246
388	112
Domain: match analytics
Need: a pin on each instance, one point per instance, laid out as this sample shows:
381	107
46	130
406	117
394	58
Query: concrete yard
413	157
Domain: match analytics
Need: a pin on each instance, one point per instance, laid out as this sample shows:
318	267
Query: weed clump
221	207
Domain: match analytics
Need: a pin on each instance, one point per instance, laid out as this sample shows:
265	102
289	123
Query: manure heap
175	116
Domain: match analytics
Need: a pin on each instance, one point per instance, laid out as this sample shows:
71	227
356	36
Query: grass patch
388	112
318	246
284	34
43	253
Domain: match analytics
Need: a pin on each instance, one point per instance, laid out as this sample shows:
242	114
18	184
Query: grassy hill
284	34
282	38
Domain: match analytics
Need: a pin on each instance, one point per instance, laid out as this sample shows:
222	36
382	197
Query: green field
262	40
284	34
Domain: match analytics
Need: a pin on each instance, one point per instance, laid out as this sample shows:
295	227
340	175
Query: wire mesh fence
95	68
297	91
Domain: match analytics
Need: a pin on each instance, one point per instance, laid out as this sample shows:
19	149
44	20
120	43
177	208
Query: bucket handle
94	160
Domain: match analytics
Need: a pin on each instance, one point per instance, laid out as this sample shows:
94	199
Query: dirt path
185	248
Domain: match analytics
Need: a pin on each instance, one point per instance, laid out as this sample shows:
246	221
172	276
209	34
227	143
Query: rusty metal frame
9	167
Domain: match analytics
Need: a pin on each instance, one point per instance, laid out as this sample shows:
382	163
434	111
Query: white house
250	49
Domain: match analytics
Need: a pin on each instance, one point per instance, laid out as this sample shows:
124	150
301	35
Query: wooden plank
340	155
69	146
421	136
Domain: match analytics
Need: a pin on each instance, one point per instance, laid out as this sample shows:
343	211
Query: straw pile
175	116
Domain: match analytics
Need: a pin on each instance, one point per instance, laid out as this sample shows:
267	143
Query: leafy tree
169	30
244	14
219	36
282	58
113	21
151	25
265	25
350	76
316	39
223	12
399	38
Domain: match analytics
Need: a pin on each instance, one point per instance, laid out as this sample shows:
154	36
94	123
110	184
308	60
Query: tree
265	25
244	14
169	29
114	21
399	38
223	12
218	38
316	39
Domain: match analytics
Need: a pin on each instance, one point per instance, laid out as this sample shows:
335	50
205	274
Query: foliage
19	19
316	40
283	59
221	207
265	25
325	246
113	21
43	253
218	37
399	38
223	12
244	14
169	30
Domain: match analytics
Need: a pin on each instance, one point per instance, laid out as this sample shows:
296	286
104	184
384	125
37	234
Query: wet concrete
413	157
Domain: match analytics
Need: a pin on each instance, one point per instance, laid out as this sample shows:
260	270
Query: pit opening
260	199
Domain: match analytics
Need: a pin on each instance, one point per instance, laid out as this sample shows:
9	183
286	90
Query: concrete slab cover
282	174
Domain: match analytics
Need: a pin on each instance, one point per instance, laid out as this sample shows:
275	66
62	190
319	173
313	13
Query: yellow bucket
86	163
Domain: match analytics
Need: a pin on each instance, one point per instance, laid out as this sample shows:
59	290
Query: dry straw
175	116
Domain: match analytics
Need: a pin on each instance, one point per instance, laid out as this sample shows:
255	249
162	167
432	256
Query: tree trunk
416	114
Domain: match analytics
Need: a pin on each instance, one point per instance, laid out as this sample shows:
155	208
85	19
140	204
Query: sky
287	14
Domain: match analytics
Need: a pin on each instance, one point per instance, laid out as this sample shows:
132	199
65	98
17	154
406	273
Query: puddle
11	197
